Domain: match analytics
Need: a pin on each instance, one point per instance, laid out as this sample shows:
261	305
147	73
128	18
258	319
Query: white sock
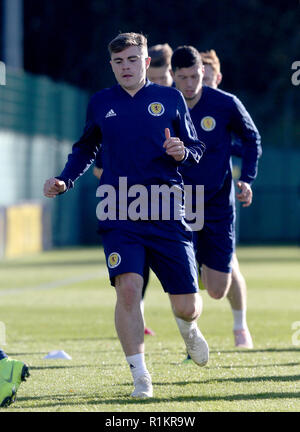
239	319
185	326
137	365
142	307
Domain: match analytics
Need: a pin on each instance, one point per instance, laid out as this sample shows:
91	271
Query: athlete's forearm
245	129
193	154
83	154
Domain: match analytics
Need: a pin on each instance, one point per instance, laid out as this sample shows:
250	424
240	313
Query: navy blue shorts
215	243
171	257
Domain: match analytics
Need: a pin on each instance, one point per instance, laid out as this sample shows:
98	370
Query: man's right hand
53	187
174	147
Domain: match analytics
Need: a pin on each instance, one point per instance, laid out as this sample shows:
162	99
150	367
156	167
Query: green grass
62	300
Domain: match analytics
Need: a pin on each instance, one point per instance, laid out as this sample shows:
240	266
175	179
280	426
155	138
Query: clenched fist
53	187
174	147
245	195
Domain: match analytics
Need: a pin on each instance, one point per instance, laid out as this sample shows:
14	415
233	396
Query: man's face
211	78
129	67
189	81
160	75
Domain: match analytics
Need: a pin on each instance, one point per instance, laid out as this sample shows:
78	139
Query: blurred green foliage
257	42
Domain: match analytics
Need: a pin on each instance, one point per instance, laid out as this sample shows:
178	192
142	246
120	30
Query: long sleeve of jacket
244	128
184	128
83	151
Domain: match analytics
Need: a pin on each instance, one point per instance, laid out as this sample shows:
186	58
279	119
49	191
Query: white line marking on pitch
55	284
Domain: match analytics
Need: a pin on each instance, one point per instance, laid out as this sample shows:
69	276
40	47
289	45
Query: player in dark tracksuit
145	133
159	69
237	294
158	73
217	116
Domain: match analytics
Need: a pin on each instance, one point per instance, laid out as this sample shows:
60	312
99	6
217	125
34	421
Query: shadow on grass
283	378
57	366
83	340
32	368
43	353
68	400
256	366
271	378
93	339
252	351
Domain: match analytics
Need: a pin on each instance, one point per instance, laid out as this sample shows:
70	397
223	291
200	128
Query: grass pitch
61	300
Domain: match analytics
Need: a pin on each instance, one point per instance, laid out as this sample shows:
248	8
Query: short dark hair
160	55
185	56
126	40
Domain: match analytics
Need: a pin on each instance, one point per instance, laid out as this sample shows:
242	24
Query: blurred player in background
216	116
159	73
119	119
237	294
212	78
212	69
159	69
12	373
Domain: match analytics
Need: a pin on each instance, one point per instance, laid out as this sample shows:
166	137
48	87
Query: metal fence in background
39	121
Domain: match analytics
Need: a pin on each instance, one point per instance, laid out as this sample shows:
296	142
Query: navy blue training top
131	133
217	116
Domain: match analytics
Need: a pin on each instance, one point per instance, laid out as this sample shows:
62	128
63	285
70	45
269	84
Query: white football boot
196	346
143	387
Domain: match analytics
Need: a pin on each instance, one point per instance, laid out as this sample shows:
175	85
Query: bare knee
237	277
217	292
129	290
218	289
187	307
216	283
188	313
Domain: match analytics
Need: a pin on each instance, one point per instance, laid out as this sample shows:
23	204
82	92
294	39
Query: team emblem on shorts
114	260
156	109
208	123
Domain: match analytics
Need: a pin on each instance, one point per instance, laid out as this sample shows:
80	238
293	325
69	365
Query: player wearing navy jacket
212	78
133	122
216	116
158	73
237	294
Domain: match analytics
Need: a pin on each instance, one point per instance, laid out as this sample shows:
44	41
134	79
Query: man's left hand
245	195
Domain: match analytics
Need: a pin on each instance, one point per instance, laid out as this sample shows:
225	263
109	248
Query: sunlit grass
76	314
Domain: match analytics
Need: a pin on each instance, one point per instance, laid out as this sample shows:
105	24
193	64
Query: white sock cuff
239	319
185	326
136	358
137	365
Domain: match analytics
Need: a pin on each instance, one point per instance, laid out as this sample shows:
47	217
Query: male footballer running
146	134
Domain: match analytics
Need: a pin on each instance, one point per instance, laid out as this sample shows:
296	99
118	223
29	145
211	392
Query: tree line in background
257	42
